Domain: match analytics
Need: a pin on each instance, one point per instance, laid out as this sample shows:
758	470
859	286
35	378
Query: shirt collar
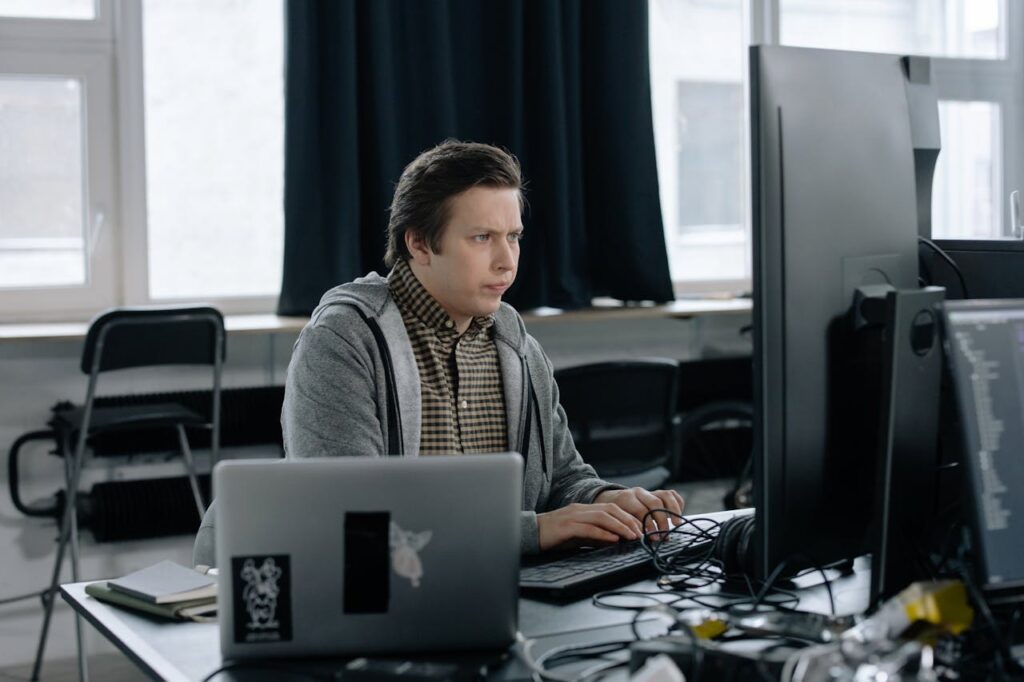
413	298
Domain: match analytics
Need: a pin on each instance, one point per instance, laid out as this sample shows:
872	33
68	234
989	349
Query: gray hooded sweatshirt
353	389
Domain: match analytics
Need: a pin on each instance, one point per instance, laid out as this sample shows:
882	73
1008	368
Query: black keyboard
594	569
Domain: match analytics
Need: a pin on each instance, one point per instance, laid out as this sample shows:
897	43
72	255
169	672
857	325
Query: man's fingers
671	500
652	501
588	531
628	502
615	521
623	515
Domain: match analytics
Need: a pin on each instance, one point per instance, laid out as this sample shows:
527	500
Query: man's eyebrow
484	228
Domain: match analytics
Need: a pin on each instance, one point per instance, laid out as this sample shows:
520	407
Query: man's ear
418	247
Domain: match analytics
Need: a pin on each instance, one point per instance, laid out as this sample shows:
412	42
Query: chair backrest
621	412
122	338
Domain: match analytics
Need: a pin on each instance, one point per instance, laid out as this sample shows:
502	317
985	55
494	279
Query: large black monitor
834	217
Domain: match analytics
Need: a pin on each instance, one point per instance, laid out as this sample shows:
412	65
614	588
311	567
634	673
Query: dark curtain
563	85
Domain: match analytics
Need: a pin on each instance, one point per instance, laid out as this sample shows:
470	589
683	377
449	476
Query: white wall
35	375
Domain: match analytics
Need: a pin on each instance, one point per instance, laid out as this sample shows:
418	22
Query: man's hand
638	501
586	523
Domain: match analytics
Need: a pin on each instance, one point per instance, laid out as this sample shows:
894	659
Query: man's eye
481	237
515	237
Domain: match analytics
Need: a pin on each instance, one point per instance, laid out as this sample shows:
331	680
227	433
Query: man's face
478	257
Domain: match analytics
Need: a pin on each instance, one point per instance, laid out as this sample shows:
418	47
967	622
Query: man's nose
504	257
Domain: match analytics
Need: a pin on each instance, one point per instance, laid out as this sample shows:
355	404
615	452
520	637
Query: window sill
680	309
272	324
75	331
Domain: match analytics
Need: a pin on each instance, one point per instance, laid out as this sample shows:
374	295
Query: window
42	235
57	180
967	185
48	9
698	73
214	147
697	82
153	210
937	28
977	78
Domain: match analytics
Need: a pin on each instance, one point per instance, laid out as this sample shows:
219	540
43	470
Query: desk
191	651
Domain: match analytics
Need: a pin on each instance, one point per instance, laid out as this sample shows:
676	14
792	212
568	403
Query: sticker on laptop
262	599
405	552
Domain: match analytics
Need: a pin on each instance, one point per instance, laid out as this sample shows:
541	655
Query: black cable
1002	646
264	664
825	580
687	568
945	256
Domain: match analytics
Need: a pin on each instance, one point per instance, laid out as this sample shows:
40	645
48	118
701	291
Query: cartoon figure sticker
262	598
405	548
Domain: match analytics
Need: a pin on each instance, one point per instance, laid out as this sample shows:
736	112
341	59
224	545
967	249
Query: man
430	361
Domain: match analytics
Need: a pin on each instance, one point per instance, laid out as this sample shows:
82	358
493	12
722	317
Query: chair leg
68	530
190	467
83	664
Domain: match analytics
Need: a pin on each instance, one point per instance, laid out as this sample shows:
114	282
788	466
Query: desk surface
191	651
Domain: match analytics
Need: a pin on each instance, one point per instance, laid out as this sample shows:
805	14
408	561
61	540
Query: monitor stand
907	466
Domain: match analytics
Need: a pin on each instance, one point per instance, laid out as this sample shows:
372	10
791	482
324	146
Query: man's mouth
497	288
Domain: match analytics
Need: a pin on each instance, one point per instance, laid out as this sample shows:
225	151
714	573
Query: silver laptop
368	555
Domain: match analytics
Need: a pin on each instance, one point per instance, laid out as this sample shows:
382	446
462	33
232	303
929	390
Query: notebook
166	582
355	555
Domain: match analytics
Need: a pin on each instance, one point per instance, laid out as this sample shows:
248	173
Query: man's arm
330	403
583	507
329	410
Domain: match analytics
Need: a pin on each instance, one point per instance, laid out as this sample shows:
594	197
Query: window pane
966	191
697	71
940	28
48	9
214	146
41	182
710	158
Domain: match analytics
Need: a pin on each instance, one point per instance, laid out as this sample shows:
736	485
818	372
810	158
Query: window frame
965	79
1000	81
106	54
84	50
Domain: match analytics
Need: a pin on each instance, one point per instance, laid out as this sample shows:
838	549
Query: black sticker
367	570
262	598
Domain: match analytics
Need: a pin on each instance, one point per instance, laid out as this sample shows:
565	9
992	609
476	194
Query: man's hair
428	184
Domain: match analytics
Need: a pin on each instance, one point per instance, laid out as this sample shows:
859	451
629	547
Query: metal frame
73	470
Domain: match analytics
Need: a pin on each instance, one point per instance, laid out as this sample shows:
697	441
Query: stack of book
166	589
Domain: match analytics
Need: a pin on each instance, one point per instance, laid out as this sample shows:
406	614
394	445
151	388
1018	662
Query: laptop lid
985	345
356	555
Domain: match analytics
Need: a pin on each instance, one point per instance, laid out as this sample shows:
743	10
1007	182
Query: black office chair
622	416
715	442
127	338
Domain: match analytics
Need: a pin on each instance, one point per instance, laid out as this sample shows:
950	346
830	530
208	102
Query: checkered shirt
463	405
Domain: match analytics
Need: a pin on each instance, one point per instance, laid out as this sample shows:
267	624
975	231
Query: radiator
127	510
